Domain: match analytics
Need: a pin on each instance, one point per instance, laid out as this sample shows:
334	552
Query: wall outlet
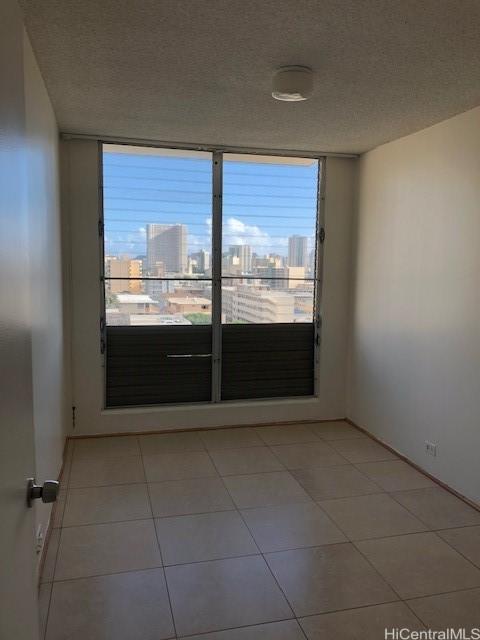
430	448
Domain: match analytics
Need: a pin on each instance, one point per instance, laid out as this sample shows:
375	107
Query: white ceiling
199	71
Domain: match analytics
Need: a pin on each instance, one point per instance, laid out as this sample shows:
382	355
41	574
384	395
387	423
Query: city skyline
263	204
158	226
243	251
133	247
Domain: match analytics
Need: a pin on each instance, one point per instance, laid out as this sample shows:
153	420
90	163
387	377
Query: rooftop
134	298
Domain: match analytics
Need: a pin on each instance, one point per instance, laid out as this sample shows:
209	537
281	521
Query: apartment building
123	274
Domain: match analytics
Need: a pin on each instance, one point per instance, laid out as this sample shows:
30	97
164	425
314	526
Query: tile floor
276	533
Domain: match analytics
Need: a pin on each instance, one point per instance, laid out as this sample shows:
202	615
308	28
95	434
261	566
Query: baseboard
442	484
190	429
49	529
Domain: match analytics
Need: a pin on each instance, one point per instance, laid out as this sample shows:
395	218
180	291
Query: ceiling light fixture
292	84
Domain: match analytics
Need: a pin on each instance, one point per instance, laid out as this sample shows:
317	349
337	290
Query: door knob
48	492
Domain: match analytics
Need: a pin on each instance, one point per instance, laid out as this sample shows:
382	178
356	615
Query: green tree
198	318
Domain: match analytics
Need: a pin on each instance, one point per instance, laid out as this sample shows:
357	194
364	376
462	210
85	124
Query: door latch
48	492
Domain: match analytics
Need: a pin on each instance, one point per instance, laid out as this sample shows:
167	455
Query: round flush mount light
292	84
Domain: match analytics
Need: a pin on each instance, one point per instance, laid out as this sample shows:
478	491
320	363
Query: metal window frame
217	222
101	242
217	278
319	253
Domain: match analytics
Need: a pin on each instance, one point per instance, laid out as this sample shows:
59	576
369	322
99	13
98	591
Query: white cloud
236	231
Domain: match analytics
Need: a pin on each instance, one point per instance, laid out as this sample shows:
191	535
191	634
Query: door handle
189	355
48	492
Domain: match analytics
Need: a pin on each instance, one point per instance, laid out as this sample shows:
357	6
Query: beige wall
415	344
82	168
50	367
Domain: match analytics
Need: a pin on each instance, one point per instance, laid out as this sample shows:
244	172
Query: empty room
239	319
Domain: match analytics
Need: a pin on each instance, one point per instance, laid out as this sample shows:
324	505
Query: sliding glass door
211	278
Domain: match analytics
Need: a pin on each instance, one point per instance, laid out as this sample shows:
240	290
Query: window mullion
319	240
217	277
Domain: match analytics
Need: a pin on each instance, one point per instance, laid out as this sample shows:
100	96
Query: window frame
216	261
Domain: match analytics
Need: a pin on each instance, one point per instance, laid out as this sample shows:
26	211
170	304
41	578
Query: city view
158	238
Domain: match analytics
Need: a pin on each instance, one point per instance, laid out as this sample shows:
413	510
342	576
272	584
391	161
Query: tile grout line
158	543
435	531
458	526
216	559
416	614
439	483
179	515
443	593
430	530
260	553
347	462
355	466
60	528
409	511
390	535
397	460
316	500
361	606
456	550
44	634
428	595
105	522
228	475
399	598
352	542
243	626
407	601
348	540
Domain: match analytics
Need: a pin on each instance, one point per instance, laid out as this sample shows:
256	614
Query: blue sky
263	203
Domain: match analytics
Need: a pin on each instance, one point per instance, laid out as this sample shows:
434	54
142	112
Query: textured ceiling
199	71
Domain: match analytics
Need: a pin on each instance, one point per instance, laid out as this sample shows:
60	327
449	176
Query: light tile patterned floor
274	533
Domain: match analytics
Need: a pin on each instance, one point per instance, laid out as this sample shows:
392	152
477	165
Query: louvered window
211	275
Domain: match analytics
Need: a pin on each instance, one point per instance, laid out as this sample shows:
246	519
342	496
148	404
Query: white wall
415	344
81	169
31	343
51	388
18	592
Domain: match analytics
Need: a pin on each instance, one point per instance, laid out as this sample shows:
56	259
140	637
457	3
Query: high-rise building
118	267
244	254
167	243
202	260
231	265
297	251
295	276
155	288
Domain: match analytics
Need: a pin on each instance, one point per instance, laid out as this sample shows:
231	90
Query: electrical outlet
431	448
